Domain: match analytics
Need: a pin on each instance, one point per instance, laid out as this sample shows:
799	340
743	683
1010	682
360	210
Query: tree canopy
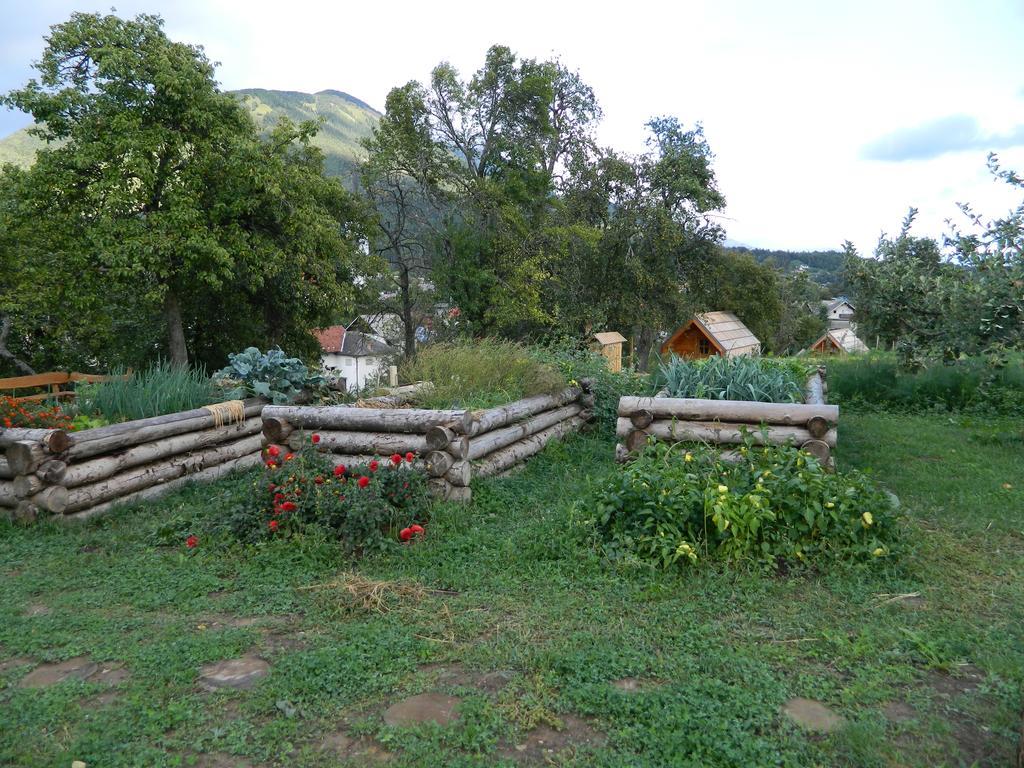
158	221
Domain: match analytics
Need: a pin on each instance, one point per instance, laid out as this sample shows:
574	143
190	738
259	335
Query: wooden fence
454	445
80	474
53	383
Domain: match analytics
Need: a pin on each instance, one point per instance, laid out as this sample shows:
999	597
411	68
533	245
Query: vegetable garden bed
811	425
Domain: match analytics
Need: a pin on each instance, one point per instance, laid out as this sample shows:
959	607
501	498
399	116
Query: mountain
346	121
824	267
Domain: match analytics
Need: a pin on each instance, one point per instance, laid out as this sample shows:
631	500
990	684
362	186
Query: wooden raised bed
454	445
80	474
811	425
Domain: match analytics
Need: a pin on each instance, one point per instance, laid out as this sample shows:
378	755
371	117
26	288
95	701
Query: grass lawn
552	654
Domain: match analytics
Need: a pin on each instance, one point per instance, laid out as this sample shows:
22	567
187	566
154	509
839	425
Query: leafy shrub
480	374
972	384
160	389
577	361
251	373
738	378
776	505
31	415
365	507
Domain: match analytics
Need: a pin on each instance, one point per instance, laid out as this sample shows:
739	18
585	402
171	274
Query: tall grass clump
480	374
973	384
160	389
738	378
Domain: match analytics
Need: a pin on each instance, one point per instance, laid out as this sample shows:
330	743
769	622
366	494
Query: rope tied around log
228	412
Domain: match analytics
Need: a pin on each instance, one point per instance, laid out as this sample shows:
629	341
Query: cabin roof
726	331
609	337
844	339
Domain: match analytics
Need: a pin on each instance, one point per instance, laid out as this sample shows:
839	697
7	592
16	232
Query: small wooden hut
610	344
712	333
838	341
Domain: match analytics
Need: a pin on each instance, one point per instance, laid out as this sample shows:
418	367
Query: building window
703	346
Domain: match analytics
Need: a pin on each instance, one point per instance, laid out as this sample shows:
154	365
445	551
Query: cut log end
460	473
641	419
277	430
438	438
817	426
438	463
819	449
636	440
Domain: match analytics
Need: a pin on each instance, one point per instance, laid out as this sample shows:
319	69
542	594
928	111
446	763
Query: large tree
157	189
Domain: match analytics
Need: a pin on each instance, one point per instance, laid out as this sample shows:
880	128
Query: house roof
844	339
831	304
331	339
338	341
609	337
726	331
729	331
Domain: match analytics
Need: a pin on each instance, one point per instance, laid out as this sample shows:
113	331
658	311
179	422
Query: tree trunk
5	353
175	330
488	442
407	319
735	411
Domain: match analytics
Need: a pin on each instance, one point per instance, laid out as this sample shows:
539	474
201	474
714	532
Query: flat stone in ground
78	668
234	674
361	752
634	684
544	744
812	715
36	609
17	661
899	712
424	708
966	679
492	682
111	673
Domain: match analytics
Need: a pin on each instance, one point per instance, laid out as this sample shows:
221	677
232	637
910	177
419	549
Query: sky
828	120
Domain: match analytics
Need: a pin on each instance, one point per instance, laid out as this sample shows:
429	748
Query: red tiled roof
331	339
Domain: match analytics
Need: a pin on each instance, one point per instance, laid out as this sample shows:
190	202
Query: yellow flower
867	519
878	552
723	489
829	505
688	457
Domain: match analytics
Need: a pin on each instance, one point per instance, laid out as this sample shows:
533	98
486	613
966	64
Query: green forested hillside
824	267
346	121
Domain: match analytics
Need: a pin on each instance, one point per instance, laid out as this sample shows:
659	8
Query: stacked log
810	426
80	474
453	446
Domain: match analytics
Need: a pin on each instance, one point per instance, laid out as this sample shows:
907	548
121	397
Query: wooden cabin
610	344
712	333
838	341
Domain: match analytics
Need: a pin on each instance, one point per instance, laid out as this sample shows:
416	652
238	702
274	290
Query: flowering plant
32	415
772	506
365	506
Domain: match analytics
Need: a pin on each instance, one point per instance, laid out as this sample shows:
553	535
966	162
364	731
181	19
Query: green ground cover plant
766	380
480	373
920	653
774	507
877	381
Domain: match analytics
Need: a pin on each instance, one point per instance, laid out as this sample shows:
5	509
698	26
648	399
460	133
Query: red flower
288	506
405	534
271	487
273	451
289	456
373	465
315	438
272	525
319	480
278	497
417	529
396	459
410	457
339	470
7	421
271	465
192	542
364	481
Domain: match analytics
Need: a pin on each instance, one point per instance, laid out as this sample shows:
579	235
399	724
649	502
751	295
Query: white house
839	312
359	358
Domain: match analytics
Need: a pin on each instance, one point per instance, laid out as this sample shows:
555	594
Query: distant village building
838	341
359	358
839	312
610	344
712	333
